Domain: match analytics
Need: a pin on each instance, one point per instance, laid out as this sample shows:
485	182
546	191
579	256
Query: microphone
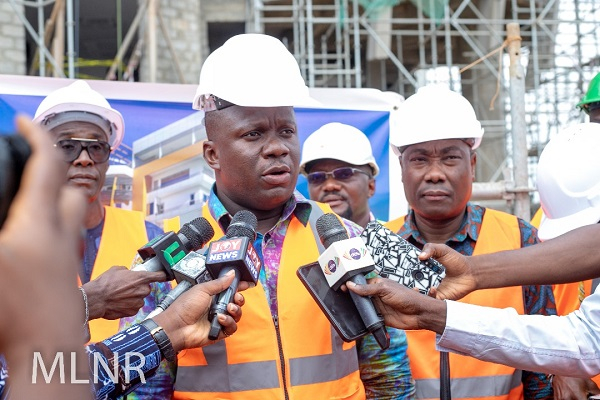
234	252
189	271
348	259
397	259
164	251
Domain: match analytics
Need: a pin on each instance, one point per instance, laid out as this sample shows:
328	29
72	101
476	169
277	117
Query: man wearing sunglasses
85	129
338	163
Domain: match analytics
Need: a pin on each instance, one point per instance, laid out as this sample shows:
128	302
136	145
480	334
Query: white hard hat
435	113
251	70
568	180
338	142
80	97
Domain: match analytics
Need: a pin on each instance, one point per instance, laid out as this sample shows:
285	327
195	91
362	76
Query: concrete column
182	22
12	41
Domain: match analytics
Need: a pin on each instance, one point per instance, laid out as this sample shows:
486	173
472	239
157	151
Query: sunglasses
340	174
98	150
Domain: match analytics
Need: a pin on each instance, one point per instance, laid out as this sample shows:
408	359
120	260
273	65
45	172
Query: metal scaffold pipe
518	122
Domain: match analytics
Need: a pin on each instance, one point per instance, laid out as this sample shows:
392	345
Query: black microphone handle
177	291
223	299
367	313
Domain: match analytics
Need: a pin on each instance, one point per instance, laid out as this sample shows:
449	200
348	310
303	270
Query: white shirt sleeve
567	345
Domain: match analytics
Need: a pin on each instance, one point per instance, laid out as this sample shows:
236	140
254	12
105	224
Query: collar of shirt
270	245
469	228
297	205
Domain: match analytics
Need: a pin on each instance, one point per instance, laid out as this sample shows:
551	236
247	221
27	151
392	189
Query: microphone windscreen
330	229
198	232
243	224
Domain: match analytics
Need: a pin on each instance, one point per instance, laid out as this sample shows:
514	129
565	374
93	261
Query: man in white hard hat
569	188
437	157
339	166
284	348
85	129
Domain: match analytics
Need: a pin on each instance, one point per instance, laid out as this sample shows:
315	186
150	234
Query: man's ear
211	154
473	164
371	187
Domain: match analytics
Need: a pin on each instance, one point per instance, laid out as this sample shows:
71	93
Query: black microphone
164	251
234	252
347	259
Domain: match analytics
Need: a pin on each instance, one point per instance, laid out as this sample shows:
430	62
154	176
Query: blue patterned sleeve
160	386
120	363
538	299
386	373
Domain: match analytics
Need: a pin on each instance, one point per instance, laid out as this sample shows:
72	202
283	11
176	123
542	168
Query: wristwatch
162	340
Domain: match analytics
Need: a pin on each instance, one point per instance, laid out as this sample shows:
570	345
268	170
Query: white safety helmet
435	113
79	98
251	70
568	180
338	142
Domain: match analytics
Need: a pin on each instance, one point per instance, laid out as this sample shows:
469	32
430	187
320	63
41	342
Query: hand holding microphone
234	252
348	259
187	270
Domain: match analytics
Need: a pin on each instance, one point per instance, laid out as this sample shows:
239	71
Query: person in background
437	157
339	166
566	196
85	129
590	104
284	347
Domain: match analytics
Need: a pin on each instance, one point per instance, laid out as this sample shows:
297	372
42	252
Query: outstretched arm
545	263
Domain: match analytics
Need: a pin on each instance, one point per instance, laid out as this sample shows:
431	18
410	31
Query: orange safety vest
123	233
471	378
312	361
566	295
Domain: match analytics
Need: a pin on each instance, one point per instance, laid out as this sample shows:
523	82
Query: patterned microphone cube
398	260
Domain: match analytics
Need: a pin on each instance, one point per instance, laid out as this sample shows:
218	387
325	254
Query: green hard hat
592	95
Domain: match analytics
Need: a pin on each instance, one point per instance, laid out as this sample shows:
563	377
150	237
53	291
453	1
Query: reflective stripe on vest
264	374
209	378
248	365
466	388
124	232
326	367
472	378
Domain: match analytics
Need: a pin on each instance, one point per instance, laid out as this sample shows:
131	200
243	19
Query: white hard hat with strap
251	70
78	99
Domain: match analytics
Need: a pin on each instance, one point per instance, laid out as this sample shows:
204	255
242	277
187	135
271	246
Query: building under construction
391	45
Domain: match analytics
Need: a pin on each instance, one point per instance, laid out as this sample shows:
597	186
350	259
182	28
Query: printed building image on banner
159	167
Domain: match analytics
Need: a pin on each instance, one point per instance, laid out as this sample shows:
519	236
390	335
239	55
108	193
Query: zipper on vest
281	358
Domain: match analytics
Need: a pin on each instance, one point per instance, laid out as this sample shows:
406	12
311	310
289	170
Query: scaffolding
400	45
